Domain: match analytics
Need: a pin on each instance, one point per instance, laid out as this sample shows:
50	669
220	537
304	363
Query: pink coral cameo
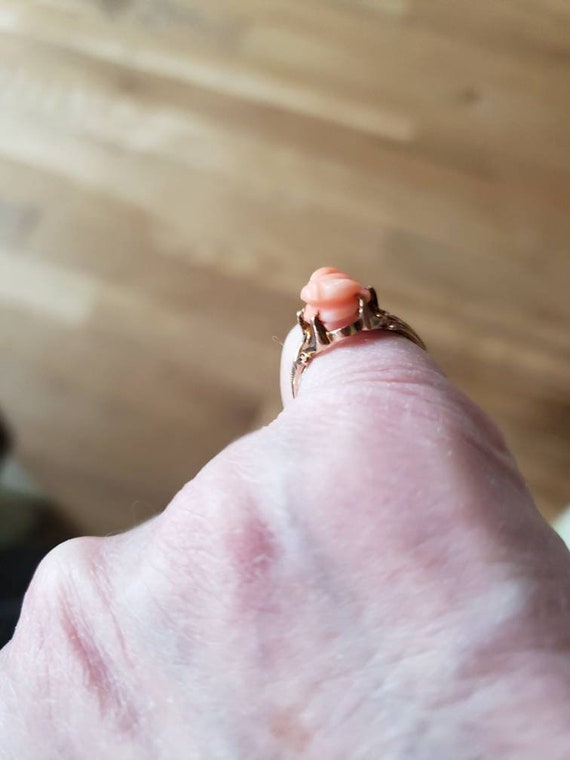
333	296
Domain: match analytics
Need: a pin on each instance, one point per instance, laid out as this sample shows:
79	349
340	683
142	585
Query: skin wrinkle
92	647
104	590
99	676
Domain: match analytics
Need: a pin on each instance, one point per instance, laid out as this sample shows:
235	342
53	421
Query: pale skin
365	578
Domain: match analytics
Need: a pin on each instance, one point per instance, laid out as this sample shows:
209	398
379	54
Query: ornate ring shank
317	338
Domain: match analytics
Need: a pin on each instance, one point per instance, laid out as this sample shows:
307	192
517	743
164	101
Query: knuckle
53	606
63	571
67	636
55	615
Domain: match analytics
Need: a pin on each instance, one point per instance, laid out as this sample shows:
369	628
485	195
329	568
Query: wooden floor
171	172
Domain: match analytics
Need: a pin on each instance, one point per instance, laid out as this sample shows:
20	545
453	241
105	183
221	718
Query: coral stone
334	296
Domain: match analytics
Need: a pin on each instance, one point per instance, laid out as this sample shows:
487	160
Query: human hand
366	577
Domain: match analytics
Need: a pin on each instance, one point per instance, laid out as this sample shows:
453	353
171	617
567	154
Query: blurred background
172	171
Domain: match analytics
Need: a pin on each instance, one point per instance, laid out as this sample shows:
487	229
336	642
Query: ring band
316	337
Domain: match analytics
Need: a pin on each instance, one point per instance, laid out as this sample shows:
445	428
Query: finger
372	357
388	375
379	410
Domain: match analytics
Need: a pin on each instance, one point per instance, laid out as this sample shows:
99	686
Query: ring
338	307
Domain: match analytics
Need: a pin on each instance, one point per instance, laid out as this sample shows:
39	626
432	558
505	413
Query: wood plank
170	171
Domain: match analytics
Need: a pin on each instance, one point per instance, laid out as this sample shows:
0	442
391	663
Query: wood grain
170	170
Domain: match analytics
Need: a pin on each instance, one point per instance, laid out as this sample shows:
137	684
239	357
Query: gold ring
317	338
